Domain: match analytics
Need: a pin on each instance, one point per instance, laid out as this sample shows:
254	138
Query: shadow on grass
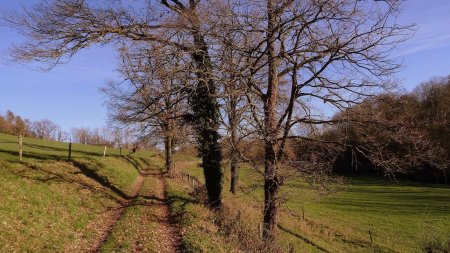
8	142
140	200
89	170
181	209
32	155
63	150
380	180
144	162
133	162
308	241
83	168
153	198
390	208
91	173
323	227
52	176
155	172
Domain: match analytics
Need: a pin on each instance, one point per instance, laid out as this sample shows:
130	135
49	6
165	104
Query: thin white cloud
433	26
432	42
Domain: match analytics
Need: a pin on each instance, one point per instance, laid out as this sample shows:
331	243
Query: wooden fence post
20	146
104	152
370	235
70	151
260	231
120	150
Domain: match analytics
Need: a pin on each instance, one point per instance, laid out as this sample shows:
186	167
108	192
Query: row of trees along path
283	59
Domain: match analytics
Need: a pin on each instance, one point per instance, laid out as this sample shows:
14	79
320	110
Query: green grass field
402	216
48	204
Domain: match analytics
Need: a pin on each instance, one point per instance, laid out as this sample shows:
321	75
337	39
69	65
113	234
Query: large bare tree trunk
271	191
234	174
233	121
169	148
234	155
271	179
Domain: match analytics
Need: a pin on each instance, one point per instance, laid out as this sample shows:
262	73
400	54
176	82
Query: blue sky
69	94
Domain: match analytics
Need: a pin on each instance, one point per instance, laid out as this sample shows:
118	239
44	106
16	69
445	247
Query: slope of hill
50	204
125	203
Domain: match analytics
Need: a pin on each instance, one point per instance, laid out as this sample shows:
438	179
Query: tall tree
152	97
57	30
301	55
233	107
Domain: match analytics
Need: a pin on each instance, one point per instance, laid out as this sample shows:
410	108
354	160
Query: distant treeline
11	123
402	134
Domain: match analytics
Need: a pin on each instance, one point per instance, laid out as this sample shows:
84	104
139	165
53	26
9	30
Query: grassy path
143	224
115	214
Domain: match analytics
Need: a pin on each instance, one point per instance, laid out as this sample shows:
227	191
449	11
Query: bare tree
290	57
45	129
152	97
232	91
57	30
120	137
80	135
300	55
398	133
233	121
62	135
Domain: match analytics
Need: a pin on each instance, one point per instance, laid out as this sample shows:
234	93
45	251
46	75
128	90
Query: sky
70	96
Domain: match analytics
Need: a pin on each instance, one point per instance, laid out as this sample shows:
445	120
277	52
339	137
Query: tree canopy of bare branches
152	97
295	56
278	60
